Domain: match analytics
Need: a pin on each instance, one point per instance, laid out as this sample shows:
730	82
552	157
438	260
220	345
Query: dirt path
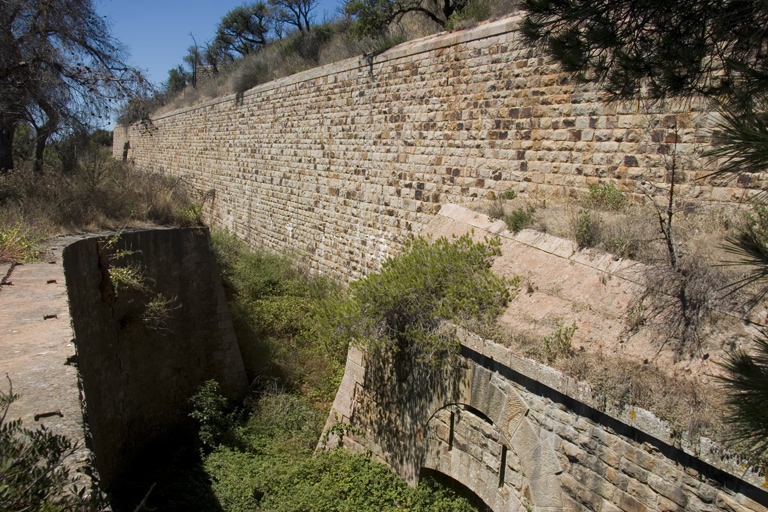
37	349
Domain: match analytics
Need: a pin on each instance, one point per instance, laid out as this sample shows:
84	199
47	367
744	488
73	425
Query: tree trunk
40	140
45	131
6	147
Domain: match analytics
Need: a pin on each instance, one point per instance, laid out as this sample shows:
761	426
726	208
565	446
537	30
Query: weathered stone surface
37	354
556	459
514	412
344	161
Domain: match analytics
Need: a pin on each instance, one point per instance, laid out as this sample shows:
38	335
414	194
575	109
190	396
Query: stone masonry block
642	493
546	491
525	366
355	355
498	353
541	462
496	403
633	470
481	389
513	413
577	490
524	440
629	504
669	489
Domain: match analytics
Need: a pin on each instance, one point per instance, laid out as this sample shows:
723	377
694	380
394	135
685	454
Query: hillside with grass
232	62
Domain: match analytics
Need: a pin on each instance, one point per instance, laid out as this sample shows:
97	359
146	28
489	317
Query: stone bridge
522	437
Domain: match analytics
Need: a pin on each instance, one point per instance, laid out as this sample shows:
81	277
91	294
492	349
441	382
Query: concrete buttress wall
342	161
137	375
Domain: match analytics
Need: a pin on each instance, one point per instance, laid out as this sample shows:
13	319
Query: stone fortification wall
341	162
137	369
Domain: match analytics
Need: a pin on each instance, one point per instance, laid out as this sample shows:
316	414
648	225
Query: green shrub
606	197
343	482
273	469
586	229
408	303
128	276
558	342
497	210
750	246
157	311
191	214
210	411
520	218
746	383
33	475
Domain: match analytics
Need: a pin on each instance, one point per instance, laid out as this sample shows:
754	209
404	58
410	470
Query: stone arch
484	440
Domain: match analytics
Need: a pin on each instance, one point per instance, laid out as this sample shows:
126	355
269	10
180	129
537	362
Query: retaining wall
138	367
343	161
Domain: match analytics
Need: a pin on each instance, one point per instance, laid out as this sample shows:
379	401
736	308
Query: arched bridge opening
457	487
509	431
486	443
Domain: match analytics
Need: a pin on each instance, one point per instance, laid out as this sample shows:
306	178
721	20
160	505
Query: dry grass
631	231
684	306
620	383
101	194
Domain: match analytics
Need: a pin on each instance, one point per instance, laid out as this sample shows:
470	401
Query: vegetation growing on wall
296	326
409	305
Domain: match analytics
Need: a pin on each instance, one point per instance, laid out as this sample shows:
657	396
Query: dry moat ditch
151	324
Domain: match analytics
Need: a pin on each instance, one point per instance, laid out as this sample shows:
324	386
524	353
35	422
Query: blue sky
157	33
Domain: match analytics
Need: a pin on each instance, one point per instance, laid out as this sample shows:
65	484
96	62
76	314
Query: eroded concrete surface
37	350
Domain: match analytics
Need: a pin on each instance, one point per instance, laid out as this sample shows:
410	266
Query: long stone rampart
343	161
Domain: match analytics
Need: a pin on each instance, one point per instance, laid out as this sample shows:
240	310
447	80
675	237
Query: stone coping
644	421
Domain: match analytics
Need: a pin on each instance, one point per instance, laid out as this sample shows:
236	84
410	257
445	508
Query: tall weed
21	241
283	317
99	193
